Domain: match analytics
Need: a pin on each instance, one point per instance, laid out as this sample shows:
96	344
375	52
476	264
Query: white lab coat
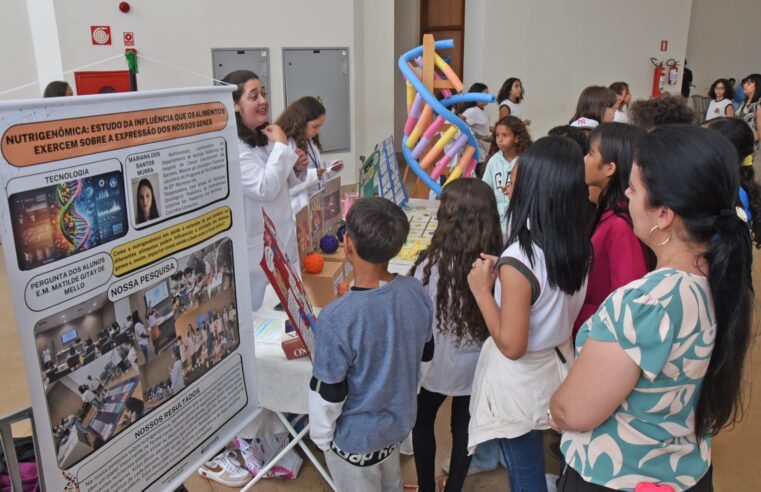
307	183
264	176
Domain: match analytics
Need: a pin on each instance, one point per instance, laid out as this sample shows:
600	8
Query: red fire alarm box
102	82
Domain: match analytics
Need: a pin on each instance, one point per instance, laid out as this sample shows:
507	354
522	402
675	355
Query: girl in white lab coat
265	163
301	121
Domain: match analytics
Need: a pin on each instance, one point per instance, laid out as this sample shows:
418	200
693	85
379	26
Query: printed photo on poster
106	364
64	219
146	198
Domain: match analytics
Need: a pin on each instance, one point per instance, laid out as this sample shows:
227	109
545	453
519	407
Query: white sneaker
224	469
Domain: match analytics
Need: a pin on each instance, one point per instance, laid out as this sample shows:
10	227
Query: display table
283	388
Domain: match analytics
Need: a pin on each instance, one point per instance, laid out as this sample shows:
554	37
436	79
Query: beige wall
17	56
406	37
558	48
724	41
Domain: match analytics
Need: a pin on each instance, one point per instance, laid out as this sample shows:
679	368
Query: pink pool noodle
471	167
427	136
444	161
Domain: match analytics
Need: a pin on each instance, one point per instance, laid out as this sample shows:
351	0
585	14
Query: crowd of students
631	241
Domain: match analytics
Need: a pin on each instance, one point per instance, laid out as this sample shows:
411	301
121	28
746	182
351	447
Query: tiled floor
736	464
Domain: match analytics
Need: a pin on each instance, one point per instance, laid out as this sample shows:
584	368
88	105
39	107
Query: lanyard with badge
313	158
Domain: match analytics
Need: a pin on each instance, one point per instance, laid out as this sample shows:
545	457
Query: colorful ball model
313	263
341	232
329	244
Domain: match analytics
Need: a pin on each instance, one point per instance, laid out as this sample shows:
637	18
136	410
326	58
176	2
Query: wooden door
445	19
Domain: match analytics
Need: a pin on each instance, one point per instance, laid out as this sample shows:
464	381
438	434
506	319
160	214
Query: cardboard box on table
322	288
339	256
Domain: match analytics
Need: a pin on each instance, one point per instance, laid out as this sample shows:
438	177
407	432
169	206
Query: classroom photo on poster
67	218
106	364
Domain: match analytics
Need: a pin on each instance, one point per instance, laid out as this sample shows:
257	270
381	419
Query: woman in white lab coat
301	121
265	163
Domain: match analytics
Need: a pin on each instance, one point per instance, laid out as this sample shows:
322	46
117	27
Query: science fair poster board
123	234
380	175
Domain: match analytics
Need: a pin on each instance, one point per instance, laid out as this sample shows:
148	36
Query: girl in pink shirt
619	257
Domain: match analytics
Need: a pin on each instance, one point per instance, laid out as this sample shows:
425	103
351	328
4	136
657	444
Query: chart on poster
123	235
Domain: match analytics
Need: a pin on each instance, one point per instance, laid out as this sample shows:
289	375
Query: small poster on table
331	206
287	286
380	174
316	220
303	233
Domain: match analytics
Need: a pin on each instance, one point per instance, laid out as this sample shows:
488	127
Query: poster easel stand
9	449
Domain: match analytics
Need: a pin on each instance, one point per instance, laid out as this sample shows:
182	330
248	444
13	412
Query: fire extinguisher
659	77
673	71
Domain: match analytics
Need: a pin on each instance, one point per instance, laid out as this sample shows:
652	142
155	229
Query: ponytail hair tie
748	161
730	218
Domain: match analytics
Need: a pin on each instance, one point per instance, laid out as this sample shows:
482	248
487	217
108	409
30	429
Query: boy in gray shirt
369	345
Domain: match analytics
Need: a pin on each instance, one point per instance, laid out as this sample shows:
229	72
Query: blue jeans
144	349
488	456
524	457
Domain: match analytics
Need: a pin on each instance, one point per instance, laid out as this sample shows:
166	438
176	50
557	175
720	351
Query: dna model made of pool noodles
427	116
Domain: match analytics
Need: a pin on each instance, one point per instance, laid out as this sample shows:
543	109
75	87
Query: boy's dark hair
663	110
572	133
729	89
377	228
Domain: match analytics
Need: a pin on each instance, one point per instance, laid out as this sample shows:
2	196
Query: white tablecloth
283	384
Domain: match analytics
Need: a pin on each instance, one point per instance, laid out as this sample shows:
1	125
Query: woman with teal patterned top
660	363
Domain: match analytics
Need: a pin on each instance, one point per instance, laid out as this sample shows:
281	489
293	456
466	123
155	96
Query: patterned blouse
747	112
665	322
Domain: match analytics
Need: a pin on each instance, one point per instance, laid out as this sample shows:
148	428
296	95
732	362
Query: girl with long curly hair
468	225
302	121
509	140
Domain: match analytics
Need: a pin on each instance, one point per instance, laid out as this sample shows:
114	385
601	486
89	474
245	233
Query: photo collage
106	364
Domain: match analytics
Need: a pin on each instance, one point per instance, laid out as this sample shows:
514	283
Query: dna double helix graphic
426	73
74	228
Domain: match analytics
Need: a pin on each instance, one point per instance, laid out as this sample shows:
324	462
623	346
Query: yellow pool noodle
422	124
464	160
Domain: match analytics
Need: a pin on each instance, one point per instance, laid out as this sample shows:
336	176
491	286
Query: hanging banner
124	237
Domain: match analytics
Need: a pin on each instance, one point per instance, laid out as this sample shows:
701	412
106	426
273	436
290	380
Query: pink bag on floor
29	478
258	452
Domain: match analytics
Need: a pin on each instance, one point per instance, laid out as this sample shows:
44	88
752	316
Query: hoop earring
653	229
